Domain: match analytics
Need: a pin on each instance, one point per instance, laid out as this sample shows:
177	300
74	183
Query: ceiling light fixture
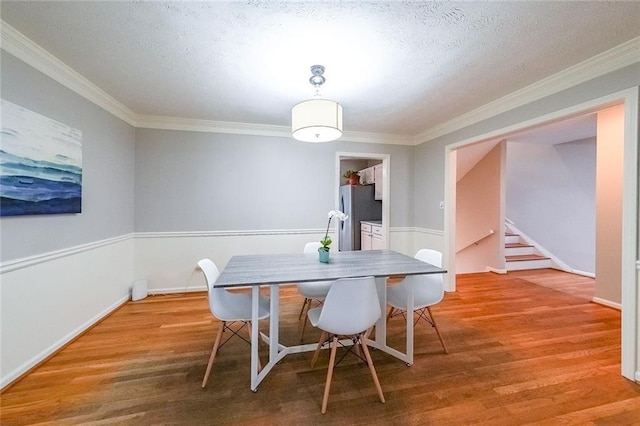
316	120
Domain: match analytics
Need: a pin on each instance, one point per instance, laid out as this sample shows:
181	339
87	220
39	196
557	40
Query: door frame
630	339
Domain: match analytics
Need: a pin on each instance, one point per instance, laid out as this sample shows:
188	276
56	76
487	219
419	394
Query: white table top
301	267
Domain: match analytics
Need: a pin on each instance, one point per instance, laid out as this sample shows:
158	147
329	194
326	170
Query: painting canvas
40	164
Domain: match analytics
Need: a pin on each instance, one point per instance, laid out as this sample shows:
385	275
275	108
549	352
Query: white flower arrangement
326	241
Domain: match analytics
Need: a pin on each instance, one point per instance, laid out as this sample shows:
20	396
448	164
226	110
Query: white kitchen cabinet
377	172
367	176
365	236
377	239
371	237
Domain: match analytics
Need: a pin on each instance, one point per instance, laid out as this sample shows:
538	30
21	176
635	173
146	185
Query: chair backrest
312	247
211	274
351	306
427	289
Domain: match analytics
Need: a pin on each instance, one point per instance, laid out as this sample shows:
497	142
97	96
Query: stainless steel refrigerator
358	202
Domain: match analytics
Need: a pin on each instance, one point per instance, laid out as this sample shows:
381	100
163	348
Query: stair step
525	257
518	249
520	255
511	238
523	262
517	245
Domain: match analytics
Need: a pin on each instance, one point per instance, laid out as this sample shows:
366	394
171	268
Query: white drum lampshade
316	120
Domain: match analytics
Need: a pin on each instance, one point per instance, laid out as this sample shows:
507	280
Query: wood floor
520	353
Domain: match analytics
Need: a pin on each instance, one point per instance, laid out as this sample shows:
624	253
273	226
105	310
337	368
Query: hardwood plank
522	351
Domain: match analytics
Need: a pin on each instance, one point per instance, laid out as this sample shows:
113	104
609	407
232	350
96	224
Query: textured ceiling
397	67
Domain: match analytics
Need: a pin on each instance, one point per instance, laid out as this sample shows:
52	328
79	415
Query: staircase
521	255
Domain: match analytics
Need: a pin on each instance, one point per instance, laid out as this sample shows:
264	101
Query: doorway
354	160
629	300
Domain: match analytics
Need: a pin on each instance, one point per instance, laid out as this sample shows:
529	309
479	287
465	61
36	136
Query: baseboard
583	273
607	303
56	347
496	270
176	290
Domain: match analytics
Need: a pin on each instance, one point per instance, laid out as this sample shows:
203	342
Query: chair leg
249	329
304	304
304	325
433	321
372	369
327	386
213	353
390	314
358	351
317	352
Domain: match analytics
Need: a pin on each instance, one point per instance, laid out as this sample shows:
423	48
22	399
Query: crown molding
197	125
210	126
383	138
15	43
623	55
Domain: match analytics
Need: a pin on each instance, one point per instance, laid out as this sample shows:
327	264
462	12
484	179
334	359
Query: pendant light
317	119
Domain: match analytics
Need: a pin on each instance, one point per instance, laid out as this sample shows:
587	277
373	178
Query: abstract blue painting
40	164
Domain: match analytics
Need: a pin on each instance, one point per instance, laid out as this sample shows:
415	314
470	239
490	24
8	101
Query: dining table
274	270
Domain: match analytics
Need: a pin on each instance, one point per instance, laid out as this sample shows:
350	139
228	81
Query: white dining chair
428	290
228	308
313	292
350	309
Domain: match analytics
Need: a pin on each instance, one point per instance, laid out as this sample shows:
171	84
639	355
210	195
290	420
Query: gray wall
107	162
193	181
429	161
551	198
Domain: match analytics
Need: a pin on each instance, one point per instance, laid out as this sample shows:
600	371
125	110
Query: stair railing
475	240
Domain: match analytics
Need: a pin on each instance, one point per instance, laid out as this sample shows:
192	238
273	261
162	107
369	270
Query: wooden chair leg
317	352
213	353
327	386
304	304
372	369
433	321
304	325
249	330
358	351
390	313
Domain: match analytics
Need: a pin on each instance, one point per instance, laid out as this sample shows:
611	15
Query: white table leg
274	321
410	325
381	325
380	341
255	310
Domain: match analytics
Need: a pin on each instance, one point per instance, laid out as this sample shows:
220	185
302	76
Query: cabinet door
365	240
367	176
377	243
377	170
377	239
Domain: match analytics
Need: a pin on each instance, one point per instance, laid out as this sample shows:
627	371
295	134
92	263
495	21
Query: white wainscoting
428	238
167	260
48	300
